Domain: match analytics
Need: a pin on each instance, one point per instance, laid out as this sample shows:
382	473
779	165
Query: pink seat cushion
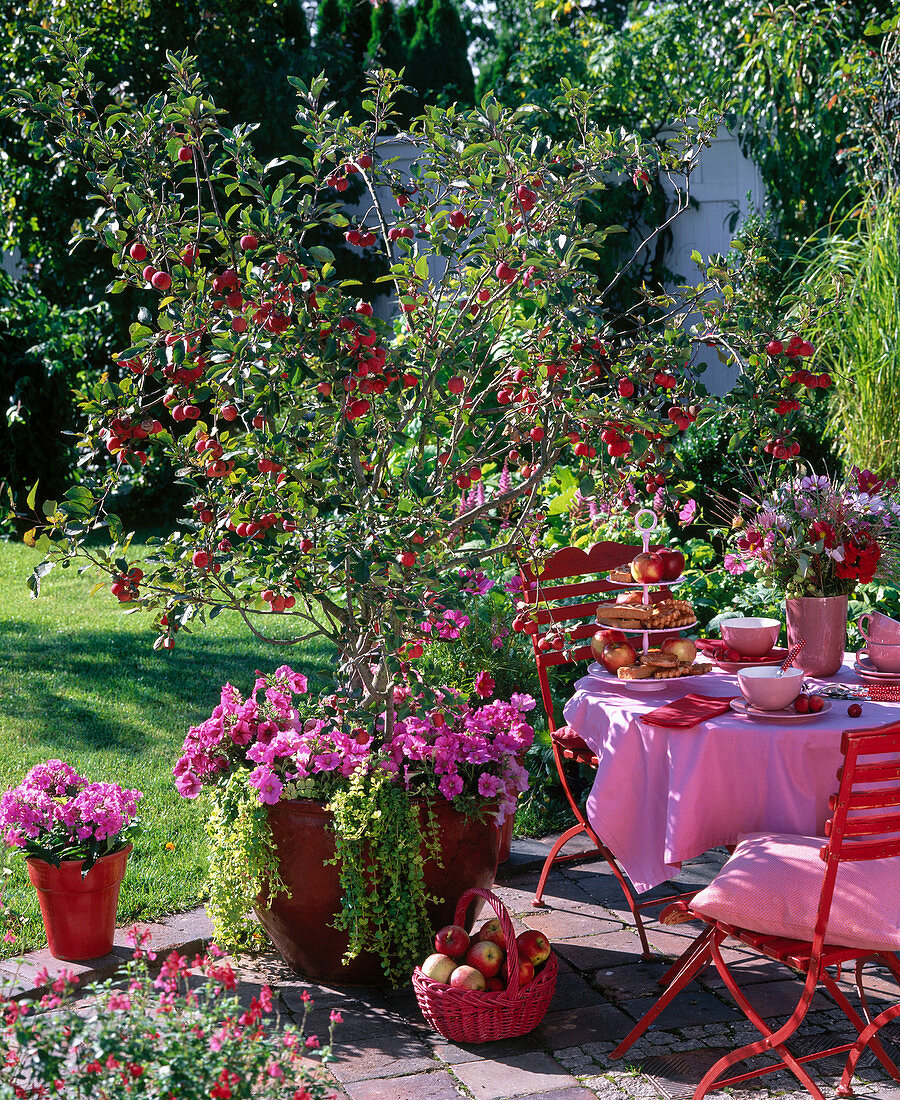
772	884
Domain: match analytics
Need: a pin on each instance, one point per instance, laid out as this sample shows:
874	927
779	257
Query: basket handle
512	950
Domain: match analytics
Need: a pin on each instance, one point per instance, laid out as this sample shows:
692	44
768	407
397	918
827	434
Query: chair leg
865	1039
551	859
696	944
697	962
772	1041
874	1044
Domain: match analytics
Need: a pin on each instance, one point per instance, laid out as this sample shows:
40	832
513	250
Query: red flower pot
299	922
79	915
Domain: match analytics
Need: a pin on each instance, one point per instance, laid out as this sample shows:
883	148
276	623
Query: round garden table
664	795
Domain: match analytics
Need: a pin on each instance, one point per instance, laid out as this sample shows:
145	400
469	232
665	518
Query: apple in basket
682	648
467	977
526	971
452	940
491	932
486	957
439	968
533	946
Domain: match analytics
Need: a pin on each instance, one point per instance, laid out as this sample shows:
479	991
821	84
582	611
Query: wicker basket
467	1016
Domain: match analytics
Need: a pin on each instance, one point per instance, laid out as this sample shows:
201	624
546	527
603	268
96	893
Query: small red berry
162	280
249	242
138	252
854	710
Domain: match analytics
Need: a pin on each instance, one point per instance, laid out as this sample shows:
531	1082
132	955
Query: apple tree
331	457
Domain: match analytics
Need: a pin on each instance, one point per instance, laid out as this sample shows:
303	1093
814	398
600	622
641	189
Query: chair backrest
865	813
565	592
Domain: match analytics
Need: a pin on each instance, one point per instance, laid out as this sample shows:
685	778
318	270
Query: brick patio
385	1051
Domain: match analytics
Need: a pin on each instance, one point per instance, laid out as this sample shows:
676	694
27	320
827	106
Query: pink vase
821	623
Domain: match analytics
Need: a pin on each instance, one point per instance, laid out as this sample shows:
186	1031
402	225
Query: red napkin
711	647
688	711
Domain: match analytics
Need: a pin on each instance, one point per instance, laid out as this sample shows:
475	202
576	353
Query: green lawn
80	681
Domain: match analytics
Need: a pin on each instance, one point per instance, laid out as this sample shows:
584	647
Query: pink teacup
879	628
885	656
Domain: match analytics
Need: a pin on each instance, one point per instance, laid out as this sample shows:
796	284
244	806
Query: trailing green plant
382	840
243	862
859	340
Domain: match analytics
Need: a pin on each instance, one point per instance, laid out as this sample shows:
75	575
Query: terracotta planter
821	621
79	915
299	921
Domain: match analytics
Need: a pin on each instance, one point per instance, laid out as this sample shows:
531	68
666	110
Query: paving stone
573	991
558	925
692	1006
576	1092
562	893
600	952
434	1085
604	1088
581	1025
514	1076
621	983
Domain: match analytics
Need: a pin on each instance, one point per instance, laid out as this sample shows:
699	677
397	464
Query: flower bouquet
815	536
383	785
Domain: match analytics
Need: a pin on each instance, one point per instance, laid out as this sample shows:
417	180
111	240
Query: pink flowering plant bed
182	1034
55	814
275	744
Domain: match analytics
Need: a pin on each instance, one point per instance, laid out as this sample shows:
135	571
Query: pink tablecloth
661	795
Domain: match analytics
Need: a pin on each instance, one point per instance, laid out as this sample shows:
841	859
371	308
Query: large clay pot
79	914
299	921
821	623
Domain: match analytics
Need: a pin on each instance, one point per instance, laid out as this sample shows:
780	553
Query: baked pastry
665	615
658	672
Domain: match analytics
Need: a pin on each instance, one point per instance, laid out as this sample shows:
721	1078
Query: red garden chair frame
564	592
871	756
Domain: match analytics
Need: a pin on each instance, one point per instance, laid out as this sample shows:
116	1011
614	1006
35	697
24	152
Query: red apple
494	985
647	568
526	971
439	968
533	946
486	957
683	648
467	977
673	564
614	657
603	638
452	940
492	932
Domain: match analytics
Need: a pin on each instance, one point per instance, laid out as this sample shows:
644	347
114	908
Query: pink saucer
868	671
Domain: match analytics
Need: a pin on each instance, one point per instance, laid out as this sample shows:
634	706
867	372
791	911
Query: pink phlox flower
335	1017
119	1002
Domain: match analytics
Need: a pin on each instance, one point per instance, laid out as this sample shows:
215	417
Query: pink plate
773	657
743	708
868	671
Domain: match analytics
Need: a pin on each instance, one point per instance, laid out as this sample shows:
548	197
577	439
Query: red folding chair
814	904
564	594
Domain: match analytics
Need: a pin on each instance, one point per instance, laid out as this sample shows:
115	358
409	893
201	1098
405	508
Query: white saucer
865	668
743	708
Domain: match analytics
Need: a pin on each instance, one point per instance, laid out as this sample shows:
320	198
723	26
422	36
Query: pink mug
878	628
